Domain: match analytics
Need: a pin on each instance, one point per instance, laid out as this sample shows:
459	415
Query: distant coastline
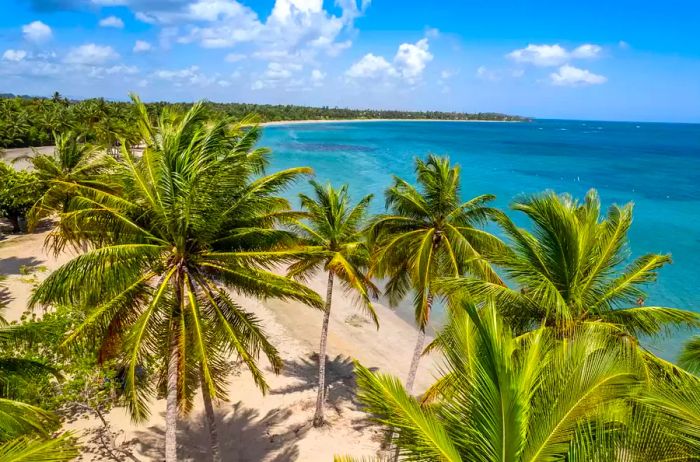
329	121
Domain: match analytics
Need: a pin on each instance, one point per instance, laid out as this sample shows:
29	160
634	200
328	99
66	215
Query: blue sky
611	60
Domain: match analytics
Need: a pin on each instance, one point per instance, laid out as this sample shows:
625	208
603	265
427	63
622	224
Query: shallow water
657	166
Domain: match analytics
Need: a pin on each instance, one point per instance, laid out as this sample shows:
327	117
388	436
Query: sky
599	59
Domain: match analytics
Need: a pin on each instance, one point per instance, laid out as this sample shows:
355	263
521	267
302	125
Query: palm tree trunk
211	421
171	402
417	351
318	417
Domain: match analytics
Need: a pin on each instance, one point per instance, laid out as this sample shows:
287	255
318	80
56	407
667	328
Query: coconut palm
333	240
25	430
428	234
529	398
690	355
73	164
190	220
574	266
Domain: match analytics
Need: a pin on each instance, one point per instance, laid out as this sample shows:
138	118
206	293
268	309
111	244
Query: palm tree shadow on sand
341	387
244	437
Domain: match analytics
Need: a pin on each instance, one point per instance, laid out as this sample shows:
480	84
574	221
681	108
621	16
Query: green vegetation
332	239
541	359
19	191
536	397
26	121
26	430
430	234
187	222
573	268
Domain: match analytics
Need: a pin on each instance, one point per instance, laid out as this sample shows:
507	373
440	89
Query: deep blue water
657	166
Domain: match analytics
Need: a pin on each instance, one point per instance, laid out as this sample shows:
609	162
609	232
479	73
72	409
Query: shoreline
334	121
267	428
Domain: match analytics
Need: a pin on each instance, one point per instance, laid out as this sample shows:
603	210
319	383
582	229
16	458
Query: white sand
253	427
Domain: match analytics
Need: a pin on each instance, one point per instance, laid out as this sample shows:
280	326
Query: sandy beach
273	428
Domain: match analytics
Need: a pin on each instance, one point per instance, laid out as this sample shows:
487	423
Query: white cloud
142	46
447	74
411	59
257	85
572	76
586	51
623	45
91	54
36	31
317	77
280	71
409	63
145	17
553	55
299	29
101	72
187	76
234	57
112	21
14	55
213	10
540	55
371	66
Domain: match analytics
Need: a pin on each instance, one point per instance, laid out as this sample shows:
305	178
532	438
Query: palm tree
25	430
189	222
429	234
73	164
333	240
569	269
690	355
535	397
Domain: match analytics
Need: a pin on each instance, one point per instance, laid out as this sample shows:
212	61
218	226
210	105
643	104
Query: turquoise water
657	166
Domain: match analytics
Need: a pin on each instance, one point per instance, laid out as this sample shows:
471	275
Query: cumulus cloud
371	66
112	21
553	55
37	32
14	55
91	54
301	29
409	63
568	75
411	59
141	46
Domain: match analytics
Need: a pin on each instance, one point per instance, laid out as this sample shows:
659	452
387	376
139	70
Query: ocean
654	165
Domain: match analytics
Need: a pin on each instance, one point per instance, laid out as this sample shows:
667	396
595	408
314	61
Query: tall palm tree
535	397
333	240
573	266
190	219
430	233
72	165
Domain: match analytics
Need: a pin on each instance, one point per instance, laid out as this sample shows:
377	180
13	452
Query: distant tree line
30	121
